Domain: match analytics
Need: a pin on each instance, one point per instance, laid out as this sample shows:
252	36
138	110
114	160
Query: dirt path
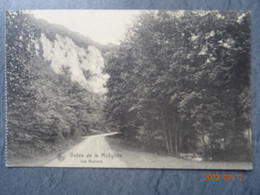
105	151
94	151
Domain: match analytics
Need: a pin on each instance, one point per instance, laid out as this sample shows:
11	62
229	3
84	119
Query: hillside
55	86
178	84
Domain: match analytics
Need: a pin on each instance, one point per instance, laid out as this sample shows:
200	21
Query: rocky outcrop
86	64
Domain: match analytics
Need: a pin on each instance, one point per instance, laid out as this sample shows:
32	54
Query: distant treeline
44	109
51	30
179	83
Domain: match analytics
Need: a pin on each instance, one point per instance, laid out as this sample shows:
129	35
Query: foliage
45	109
182	80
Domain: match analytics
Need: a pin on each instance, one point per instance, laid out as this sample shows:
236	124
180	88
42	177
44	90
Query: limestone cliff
86	63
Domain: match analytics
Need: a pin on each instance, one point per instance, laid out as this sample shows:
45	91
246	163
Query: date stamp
225	177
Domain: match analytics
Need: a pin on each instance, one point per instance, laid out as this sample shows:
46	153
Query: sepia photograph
157	89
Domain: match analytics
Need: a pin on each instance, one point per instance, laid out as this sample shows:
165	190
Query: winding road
93	151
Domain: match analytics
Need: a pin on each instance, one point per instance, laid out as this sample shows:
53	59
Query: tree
44	109
177	78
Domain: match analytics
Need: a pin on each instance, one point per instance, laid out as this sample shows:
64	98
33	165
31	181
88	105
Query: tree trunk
176	143
204	143
166	137
170	140
176	137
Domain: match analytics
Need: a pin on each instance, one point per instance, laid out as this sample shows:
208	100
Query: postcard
160	89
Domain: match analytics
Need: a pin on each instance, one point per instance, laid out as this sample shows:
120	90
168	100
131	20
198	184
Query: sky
102	26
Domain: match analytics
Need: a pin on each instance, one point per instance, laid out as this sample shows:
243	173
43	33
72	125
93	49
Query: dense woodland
179	83
44	109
